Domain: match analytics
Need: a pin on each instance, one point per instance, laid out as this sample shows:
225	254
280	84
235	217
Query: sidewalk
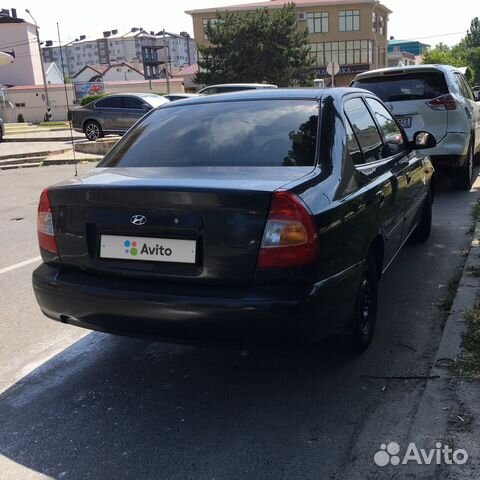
449	411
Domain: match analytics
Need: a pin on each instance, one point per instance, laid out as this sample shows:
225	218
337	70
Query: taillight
46	236
444	102
290	236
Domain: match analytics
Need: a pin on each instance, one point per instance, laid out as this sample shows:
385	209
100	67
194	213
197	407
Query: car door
134	108
407	161
108	112
472	107
384	170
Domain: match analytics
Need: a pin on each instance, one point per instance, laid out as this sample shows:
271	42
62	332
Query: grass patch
469	364
53	124
476	217
446	303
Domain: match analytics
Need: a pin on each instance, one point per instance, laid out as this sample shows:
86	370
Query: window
408	86
349	20
317	22
465	89
19	105
344	53
109	102
223	134
374	21
132	103
365	130
388	126
353	147
212	21
381	25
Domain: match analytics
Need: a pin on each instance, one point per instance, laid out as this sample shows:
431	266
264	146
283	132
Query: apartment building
350	33
135	46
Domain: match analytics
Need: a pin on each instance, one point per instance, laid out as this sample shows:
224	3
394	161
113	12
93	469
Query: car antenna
68	103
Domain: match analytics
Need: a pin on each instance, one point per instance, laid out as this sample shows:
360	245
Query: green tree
472	40
260	46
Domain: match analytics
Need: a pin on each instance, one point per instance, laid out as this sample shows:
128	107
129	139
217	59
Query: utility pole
49	110
167	74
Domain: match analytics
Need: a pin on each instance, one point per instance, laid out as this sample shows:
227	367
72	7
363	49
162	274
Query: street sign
333	68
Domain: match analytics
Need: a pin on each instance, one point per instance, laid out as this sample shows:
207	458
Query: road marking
20	264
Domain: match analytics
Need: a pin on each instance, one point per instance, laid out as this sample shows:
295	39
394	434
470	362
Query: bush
90	98
20	118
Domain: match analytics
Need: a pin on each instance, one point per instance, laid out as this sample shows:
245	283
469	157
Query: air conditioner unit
302	16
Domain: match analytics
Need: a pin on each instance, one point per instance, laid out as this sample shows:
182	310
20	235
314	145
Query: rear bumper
180	313
451	152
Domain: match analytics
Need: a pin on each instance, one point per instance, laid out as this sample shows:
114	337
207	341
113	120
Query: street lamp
49	112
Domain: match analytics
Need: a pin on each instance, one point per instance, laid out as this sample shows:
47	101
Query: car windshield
405	86
154	100
240	133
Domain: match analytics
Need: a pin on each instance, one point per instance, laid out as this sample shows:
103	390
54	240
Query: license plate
405	122
147	249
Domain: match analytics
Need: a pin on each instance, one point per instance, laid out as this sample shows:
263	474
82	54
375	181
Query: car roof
407	69
253	85
271	94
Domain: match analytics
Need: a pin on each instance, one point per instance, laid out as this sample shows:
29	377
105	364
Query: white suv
436	98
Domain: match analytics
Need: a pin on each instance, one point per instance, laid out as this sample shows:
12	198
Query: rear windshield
239	133
405	86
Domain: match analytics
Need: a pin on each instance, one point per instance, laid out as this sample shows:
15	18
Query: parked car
225	219
234	87
179	96
436	98
2	130
113	114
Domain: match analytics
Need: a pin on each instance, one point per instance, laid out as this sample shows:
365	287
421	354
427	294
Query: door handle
380	198
408	176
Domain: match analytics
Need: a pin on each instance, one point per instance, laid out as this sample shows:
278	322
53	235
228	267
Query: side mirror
422	140
477	96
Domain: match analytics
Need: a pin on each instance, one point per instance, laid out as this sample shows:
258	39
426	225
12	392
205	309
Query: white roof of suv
407	69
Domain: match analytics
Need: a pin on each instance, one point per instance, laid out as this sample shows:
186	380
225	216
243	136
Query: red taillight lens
46	236
290	236
444	102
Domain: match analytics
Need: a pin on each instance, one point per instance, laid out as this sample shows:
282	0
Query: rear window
405	86
243	133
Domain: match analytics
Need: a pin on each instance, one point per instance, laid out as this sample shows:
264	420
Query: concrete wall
26	68
35	107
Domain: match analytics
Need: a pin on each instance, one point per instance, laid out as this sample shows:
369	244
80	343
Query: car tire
365	314
93	130
422	231
462	179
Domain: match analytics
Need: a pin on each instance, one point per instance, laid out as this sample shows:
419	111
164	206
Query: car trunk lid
211	218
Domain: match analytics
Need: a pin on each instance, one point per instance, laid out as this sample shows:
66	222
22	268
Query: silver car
234	87
113	114
436	98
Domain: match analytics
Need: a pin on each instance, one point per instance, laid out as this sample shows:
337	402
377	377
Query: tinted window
465	89
388	127
353	147
405	86
248	133
365	130
109	102
132	102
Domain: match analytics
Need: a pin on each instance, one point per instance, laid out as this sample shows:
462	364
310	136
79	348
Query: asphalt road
75	404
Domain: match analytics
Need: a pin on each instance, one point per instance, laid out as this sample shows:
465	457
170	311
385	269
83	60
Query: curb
436	404
40	139
34	154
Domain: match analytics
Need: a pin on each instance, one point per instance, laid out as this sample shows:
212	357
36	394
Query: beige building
350	33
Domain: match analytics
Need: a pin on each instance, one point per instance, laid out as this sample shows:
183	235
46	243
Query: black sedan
258	216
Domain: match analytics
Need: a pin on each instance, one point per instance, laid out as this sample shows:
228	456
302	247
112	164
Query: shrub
20	118
90	98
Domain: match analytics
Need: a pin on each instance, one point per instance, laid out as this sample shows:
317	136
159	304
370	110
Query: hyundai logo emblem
138	219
